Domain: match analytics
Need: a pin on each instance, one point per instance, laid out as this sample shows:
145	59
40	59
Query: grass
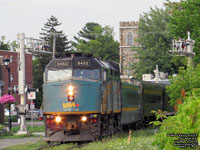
28	146
14	130
141	140
32	146
30	129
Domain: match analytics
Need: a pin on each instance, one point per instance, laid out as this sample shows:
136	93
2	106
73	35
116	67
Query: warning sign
31	95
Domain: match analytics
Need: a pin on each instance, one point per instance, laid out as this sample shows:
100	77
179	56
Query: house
13	65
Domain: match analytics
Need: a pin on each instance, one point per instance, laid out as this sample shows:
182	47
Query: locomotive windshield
87	74
55	75
79	67
59	74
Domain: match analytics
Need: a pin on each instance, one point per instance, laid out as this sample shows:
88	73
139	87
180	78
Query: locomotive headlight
70	88
83	118
58	119
70	93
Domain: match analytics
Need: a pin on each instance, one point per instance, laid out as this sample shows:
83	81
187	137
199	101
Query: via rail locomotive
85	100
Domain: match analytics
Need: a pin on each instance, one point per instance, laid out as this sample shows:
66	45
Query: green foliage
154	40
4	45
160	115
29	146
13	118
185	17
141	140
30	129
12	134
89	32
186	121
7	45
38	69
94	38
186	80
49	29
1	127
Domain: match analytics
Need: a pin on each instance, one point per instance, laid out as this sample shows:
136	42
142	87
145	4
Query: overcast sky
28	16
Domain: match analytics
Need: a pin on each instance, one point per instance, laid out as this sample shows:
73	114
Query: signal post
34	46
184	47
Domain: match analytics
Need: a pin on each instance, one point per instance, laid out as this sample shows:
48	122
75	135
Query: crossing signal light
184	44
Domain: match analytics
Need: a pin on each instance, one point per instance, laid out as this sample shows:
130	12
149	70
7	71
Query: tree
38	81
89	32
154	40
49	29
185	17
98	40
62	44
4	45
186	121
7	45
185	81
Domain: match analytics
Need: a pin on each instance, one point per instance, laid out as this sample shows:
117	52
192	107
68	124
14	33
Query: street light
6	61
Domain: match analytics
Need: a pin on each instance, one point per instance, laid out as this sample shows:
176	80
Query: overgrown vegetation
141	140
186	121
183	84
160	116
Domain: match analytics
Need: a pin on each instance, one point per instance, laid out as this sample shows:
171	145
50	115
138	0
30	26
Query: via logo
70	105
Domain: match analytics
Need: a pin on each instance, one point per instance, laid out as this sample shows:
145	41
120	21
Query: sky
29	16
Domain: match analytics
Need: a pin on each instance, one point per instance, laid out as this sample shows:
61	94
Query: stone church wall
128	36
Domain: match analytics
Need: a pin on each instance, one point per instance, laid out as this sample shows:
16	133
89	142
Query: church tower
128	35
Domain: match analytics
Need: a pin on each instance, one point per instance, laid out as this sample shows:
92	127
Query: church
128	32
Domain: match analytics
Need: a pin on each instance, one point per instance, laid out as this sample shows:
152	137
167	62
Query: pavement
4	143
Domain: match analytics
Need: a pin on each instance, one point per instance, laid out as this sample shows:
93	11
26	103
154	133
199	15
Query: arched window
129	39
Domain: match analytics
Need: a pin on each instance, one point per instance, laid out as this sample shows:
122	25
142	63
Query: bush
186	121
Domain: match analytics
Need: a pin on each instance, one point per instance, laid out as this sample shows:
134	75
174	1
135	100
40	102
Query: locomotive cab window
53	75
87	73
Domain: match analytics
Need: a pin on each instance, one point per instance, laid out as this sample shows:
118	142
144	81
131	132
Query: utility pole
184	47
54	46
34	46
21	83
54	43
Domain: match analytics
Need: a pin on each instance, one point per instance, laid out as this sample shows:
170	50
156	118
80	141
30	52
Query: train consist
84	98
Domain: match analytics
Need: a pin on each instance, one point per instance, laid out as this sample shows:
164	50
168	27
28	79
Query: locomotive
84	98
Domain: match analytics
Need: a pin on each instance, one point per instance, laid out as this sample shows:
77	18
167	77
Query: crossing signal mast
184	47
34	46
